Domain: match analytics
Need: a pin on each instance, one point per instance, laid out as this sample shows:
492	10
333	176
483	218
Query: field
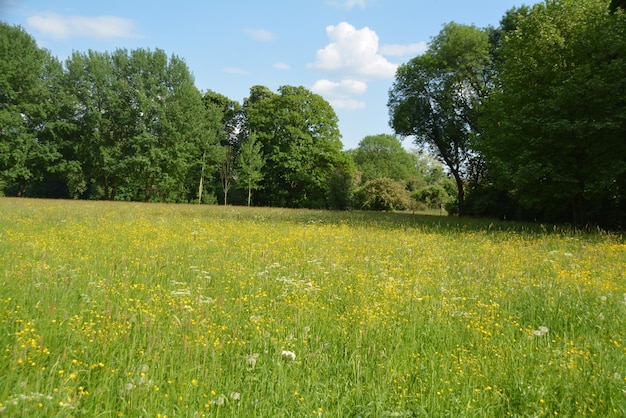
128	310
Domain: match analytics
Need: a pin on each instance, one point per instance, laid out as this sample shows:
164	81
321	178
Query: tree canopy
435	97
556	124
29	77
301	144
528	118
379	156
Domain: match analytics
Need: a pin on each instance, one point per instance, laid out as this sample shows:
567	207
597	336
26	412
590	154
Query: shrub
384	194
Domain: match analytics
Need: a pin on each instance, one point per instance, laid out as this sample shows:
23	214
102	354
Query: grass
124	309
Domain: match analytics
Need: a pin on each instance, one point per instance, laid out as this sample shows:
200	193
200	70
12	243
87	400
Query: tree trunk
200	188
460	197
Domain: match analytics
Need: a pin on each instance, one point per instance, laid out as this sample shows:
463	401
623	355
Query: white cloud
353	51
348	104
398	50
234	70
282	66
260	34
349	4
339	95
346	86
64	27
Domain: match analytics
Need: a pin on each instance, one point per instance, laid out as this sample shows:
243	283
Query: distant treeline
527	118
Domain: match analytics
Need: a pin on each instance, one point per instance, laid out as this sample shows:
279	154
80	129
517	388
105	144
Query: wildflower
235	396
541	331
288	355
252	358
220	400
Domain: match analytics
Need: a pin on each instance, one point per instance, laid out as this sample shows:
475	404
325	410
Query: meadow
153	310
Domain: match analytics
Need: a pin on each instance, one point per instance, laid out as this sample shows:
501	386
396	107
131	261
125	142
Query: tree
383	156
28	109
617	4
384	194
250	164
227	170
209	150
231	115
140	123
435	97
301	144
555	126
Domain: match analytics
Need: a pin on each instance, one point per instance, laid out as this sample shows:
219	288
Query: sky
347	51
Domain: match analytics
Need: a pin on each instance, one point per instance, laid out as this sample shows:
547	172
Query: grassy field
146	310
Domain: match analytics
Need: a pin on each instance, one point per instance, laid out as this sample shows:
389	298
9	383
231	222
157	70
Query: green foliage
433	197
142	123
300	142
231	115
555	127
616	5
340	188
435	96
383	156
250	163
28	110
384	194
227	170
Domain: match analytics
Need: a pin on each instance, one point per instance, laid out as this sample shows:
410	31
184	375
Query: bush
384	194
432	196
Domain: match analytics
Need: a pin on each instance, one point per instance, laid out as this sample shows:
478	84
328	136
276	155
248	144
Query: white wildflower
252	358
288	355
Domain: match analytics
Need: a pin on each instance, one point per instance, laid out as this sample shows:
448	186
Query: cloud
347	103
59	26
346	86
349	4
282	66
353	51
234	70
260	34
397	50
339	95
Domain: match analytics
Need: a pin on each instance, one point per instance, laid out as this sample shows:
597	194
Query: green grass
125	309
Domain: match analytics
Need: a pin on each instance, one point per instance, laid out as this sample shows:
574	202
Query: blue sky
345	50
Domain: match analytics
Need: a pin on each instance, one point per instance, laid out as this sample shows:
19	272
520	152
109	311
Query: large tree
250	162
28	109
555	126
140	123
382	155
232	117
301	144
436	96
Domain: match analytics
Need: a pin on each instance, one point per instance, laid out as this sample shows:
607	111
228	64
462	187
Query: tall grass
122	309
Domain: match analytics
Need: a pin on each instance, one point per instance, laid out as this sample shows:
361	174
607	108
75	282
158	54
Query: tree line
131	125
527	118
